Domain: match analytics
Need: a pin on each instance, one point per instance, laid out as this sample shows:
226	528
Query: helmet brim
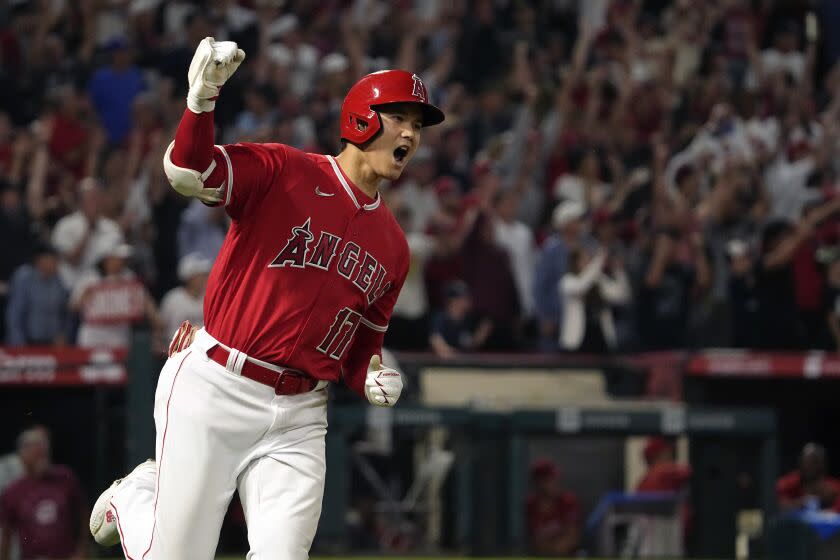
431	114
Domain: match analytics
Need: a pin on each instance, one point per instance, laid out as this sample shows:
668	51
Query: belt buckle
287	383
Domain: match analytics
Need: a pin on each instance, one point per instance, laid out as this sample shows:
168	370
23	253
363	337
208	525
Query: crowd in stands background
612	174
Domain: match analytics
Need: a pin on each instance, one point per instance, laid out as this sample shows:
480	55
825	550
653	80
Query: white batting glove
383	384
212	65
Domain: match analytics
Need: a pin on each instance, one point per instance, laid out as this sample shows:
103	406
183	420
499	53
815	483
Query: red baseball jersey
665	477
551	515
311	266
790	487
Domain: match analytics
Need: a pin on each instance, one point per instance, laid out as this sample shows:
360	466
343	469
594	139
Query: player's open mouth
400	154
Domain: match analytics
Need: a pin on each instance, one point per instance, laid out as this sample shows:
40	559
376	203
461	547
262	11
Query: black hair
43	248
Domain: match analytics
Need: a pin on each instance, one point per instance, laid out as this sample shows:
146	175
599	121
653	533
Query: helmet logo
419	89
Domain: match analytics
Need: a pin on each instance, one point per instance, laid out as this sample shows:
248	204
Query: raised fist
213	63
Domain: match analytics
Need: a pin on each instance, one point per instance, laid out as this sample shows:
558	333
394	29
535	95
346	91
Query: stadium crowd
611	174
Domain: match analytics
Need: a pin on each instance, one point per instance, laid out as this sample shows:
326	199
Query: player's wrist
199	107
198	104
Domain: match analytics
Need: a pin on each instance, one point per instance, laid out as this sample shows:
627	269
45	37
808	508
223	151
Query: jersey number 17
341	333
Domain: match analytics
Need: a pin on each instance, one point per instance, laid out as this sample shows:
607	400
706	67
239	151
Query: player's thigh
202	437
281	495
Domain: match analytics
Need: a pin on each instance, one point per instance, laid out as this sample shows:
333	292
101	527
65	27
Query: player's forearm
193	147
367	343
189	161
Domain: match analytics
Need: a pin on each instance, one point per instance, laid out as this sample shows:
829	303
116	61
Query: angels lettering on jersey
329	251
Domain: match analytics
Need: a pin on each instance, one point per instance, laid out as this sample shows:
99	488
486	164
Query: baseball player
299	297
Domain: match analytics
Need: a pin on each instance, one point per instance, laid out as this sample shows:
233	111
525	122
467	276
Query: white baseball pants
218	432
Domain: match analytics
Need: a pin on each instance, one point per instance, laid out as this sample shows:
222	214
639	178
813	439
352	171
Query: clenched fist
213	63
383	385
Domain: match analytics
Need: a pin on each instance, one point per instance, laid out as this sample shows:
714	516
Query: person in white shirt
82	236
583	185
186	302
109	300
417	191
785	55
408	328
588	290
518	241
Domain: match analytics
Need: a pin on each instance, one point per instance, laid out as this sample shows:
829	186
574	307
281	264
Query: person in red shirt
553	514
664	474
299	297
45	508
809	481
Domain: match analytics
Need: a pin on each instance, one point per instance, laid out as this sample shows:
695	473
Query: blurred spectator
46	507
670	282
784	55
37	310
589	290
518	241
445	265
779	322
256	121
742	295
553	514
113	89
417	191
11	469
832	300
408	328
110	299
186	302
489	276
450	205
552	265
17	229
70	133
457	328
809	485
583	185
664	474
82	236
202	230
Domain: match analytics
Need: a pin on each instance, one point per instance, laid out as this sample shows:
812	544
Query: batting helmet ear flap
368	127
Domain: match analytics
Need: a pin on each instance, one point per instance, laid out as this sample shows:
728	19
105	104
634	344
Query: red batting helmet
359	119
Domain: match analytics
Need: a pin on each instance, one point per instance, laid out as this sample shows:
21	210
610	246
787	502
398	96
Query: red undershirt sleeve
194	141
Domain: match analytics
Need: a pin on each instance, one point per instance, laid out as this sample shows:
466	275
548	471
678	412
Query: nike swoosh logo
319	192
